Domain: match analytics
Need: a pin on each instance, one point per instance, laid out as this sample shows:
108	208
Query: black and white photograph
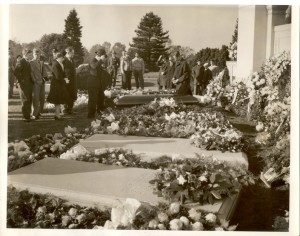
150	117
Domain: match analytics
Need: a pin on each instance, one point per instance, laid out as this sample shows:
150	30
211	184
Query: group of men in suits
203	74
31	73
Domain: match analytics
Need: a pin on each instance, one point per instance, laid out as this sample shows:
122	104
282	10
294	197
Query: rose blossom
73	212
176	224
81	218
41	210
153	224
194	214
197	226
65	220
210	217
174	208
161	226
162	217
184	220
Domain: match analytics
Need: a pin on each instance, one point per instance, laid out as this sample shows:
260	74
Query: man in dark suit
95	84
207	76
181	77
198	72
113	65
70	71
23	75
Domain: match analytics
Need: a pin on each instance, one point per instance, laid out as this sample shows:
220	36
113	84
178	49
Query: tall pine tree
235	33
72	33
151	40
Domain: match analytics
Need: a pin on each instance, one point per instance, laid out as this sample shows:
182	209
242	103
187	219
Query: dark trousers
127	79
139	79
38	98
26	89
11	87
113	75
69	106
96	101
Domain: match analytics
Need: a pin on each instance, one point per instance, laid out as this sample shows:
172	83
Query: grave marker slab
134	100
153	147
94	184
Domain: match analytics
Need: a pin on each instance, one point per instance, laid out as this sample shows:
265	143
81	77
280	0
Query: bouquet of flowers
199	180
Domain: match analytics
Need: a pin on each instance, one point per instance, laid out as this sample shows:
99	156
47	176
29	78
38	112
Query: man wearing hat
23	75
207	76
113	65
198	72
181	77
95	84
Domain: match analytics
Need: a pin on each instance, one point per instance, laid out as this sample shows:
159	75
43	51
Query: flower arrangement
164	118
81	102
134	215
38	147
31	210
199	180
114	94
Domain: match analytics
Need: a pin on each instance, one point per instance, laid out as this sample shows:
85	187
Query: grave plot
94	184
133	100
153	147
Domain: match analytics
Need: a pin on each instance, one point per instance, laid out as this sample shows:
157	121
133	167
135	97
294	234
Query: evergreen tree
235	33
151	40
73	34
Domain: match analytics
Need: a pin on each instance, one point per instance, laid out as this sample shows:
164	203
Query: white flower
65	220
197	226
210	217
125	214
162	217
181	180
121	157
79	150
185	221
107	93
113	127
176	224
219	229
100	151
194	214
161	226
202	178
110	118
153	224
70	130
81	218
259	127
42	210
174	208
73	212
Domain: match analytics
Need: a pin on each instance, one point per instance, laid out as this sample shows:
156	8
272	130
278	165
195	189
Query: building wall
282	38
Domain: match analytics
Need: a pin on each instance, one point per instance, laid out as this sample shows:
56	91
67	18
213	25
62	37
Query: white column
252	34
270	33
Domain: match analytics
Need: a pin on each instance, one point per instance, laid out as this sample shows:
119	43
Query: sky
193	26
